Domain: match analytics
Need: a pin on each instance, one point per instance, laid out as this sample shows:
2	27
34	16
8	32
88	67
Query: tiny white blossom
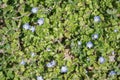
88	59
115	30
111	58
32	28
79	42
40	78
22	62
96	18
34	10
113	52
51	64
64	69
32	54
26	26
101	60
89	44
95	36
40	21
112	73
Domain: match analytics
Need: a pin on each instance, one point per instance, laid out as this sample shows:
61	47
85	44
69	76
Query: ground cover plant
59	39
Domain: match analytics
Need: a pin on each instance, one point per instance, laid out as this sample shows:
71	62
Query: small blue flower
64	69
48	49
32	28
101	60
26	26
79	43
95	36
40	21
22	62
40	78
34	10
51	64
112	73
89	44
96	18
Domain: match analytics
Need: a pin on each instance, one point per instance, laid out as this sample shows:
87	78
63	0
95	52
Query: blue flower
48	49
96	18
26	26
22	62
101	60
112	73
64	69
51	64
95	36
32	28
89	44
34	10
40	21
86	71
40	78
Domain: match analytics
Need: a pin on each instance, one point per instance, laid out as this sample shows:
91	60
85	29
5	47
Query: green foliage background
66	23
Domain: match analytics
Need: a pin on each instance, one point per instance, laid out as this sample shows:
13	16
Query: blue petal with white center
40	21
95	36
34	10
64	69
97	19
26	26
112	73
101	60
89	44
